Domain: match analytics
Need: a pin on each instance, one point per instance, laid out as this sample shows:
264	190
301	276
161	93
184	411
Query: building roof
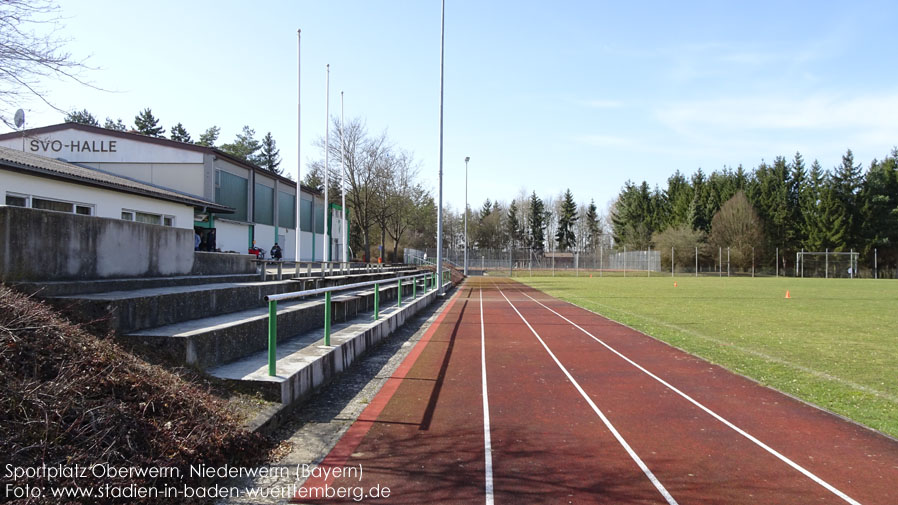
153	140
34	164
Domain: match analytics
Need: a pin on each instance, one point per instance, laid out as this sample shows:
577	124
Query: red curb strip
350	441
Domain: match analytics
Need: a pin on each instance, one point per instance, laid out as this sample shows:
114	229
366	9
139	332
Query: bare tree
737	226
31	50
404	197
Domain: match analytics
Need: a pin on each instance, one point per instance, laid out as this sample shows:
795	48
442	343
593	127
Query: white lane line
713	414
645	469
487	444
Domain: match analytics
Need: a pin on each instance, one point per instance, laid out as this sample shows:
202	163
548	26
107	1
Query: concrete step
212	341
129	311
304	363
69	288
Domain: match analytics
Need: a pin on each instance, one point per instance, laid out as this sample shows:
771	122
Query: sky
543	96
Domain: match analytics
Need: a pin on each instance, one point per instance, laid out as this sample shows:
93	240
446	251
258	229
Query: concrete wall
40	245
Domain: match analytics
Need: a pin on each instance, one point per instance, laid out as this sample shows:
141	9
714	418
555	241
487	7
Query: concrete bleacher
218	324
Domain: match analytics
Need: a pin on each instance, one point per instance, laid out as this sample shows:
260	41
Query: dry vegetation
71	398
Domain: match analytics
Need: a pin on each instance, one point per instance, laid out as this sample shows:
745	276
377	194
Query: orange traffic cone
787	294
590	276
675	284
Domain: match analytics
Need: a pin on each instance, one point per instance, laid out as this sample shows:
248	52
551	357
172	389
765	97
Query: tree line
782	206
263	153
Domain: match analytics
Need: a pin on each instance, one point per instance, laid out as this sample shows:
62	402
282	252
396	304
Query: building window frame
80	208
140	216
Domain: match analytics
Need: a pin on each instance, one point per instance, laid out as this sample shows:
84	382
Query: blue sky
542	96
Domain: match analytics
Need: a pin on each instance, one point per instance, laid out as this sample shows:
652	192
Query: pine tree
797	184
537	225
514	230
846	183
116	125
245	147
593	227
208	138
81	117
880	209
812	232
147	124
180	134
564	237
270	157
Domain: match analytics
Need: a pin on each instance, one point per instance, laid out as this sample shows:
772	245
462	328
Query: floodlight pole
467	159
325	245
343	229
440	204
298	158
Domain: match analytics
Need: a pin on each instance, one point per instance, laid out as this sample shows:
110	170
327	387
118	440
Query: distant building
235	204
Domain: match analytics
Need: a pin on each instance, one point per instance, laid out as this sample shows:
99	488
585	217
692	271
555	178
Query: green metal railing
429	284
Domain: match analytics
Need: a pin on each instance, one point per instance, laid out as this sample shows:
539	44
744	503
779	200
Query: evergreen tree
699	215
270	157
146	124
846	183
537	225
81	117
208	138
564	236
797	184
678	197
880	210
180	134
632	217
593	227
116	125
514	230
812	232
245	147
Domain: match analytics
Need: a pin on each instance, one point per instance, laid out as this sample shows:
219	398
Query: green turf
834	343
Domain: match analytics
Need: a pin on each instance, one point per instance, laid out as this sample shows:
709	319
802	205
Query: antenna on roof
19	120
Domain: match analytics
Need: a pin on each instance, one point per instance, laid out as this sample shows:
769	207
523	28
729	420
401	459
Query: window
231	190
286	210
147	217
41	203
16	200
37	202
263	205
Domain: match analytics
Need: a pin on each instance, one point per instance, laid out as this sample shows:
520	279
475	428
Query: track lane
853	464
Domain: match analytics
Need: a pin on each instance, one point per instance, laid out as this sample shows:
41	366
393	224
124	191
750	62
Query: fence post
328	314
648	262
826	275
272	337
625	261
696	261
752	262
851	264
376	301
875	264
728	261
720	261
601	262
671	261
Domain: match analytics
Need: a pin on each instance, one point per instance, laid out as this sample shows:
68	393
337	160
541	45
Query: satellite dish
19	118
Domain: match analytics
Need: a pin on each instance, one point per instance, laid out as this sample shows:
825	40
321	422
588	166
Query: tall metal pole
467	159
325	244
298	159
344	230
440	204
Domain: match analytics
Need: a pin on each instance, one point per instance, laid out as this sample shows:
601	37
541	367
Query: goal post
827	264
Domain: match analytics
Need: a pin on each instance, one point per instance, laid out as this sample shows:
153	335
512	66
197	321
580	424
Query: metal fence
695	261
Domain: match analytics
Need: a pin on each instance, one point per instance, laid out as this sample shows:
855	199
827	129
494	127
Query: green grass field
833	344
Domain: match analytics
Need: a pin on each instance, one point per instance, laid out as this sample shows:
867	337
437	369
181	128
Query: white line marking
487	444
645	469
713	414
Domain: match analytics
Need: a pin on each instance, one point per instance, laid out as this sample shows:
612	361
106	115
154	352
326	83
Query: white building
263	204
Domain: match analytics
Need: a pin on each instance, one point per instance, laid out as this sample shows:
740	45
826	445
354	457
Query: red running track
580	409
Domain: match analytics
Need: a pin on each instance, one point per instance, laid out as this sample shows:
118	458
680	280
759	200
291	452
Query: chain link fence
698	261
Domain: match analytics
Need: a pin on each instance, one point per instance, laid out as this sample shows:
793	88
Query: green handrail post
399	294
414	288
327	318
376	300
272	337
